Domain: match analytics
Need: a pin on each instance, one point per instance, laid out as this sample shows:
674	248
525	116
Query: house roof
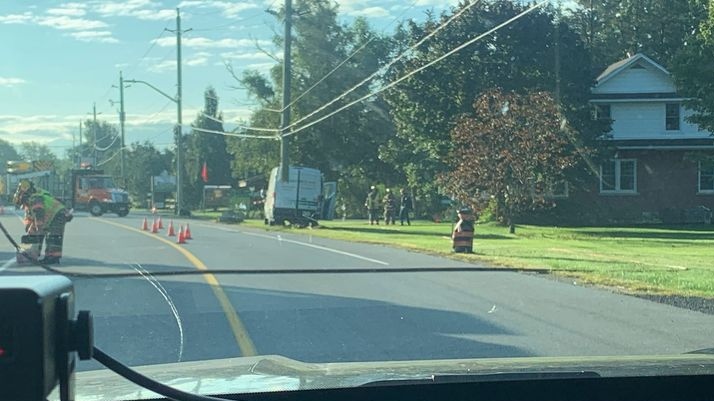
621	65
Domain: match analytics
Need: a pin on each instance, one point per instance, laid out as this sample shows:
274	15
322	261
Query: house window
706	177
619	175
672	117
602	112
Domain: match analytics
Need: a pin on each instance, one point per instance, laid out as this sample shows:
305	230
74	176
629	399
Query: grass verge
653	260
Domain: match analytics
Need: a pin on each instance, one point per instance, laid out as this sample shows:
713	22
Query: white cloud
162	66
141	9
441	3
64	22
200	58
11	81
260	66
201	42
246	56
371	12
94	36
69	9
23	18
228	9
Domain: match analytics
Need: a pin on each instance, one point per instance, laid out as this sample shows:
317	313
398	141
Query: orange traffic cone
181	239
145	225
170	231
161	224
187	233
154	227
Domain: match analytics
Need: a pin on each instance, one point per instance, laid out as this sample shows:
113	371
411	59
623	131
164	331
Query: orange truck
96	193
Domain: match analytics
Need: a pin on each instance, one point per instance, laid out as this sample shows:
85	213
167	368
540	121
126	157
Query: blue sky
60	57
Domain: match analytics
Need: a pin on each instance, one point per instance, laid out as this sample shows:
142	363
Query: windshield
316	181
98	183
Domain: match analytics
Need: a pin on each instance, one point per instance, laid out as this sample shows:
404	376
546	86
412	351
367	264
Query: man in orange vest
463	235
45	219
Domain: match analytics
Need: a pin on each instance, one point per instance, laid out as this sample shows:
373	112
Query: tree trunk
511	228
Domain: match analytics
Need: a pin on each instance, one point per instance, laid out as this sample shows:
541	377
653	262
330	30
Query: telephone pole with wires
122	120
179	118
287	75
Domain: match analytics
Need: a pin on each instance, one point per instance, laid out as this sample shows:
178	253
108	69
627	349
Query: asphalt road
336	316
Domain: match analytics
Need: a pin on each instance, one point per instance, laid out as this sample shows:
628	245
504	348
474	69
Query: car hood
277	373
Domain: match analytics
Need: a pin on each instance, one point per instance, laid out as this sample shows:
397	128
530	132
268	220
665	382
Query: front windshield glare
413	182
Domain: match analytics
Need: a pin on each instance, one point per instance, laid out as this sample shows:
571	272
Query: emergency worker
463	235
372	205
45	219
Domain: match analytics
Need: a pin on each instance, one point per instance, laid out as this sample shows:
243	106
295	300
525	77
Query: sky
61	58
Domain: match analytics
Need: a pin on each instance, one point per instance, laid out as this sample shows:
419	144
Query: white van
296	201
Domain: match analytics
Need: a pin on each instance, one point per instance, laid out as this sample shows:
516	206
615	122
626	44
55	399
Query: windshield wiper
486	377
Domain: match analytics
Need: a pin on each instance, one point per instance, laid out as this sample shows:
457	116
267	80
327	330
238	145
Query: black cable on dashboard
146	382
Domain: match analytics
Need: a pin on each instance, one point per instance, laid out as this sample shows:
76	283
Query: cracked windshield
241	192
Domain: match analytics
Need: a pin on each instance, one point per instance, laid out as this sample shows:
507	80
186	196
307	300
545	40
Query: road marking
247	348
165	294
322	248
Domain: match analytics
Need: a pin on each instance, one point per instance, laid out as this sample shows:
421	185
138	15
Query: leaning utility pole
121	122
285	115
179	118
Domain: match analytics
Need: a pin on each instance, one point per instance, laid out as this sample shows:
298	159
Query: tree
36	151
7	153
208	148
345	145
525	55
658	28
692	70
146	162
511	148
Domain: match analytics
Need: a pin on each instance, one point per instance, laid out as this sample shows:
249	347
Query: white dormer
640	98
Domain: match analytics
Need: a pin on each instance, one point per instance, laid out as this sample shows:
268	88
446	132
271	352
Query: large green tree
344	146
658	28
145	161
203	147
692	70
36	151
537	52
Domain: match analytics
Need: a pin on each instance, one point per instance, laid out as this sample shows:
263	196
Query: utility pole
287	74
94	131
179	118
121	122
79	153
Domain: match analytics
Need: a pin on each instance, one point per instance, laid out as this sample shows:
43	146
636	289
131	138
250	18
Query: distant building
656	172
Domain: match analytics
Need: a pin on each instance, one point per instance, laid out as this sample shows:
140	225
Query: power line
233	134
376	73
389	65
393	83
350	56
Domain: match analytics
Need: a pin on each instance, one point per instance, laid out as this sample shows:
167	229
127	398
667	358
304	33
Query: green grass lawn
663	260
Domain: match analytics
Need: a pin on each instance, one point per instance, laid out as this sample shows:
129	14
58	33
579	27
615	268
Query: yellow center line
247	348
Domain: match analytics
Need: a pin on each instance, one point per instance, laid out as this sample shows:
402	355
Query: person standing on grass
372	205
406	206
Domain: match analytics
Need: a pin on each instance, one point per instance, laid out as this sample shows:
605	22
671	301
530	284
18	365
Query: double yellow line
247	348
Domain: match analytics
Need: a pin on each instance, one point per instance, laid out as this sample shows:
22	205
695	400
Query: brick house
657	172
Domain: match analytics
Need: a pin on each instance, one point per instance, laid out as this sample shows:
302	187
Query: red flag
204	172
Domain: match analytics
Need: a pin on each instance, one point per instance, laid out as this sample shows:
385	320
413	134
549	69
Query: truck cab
96	193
